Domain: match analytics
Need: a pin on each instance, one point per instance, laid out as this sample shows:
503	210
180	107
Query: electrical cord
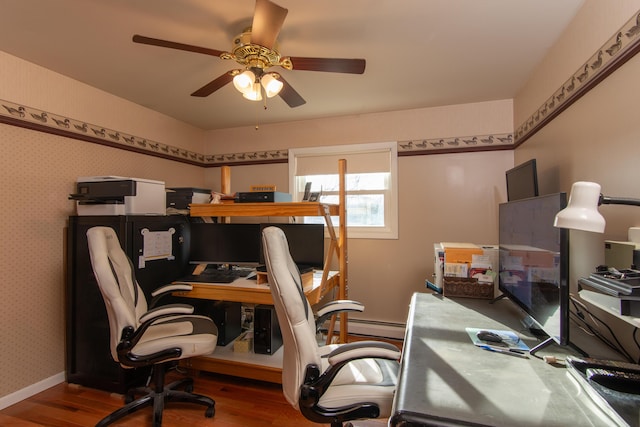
579	314
590	330
618	346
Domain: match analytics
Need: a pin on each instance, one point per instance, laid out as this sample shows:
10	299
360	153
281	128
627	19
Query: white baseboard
29	391
375	329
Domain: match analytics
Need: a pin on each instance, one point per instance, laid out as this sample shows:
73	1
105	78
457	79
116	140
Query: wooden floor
239	403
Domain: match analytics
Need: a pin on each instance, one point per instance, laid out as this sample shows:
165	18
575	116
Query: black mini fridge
158	246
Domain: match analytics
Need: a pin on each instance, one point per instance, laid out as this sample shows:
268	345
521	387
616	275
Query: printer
117	195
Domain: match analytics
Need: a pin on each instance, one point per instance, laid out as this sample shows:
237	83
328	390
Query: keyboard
215	276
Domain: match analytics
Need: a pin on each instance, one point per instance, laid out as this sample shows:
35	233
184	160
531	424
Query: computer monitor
522	181
534	263
221	243
306	243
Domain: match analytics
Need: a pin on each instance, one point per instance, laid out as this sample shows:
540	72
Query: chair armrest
172	287
316	382
335	307
363	350
164	310
168	290
130	337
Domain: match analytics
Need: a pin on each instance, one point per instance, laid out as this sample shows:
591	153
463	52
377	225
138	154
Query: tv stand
550	341
498	298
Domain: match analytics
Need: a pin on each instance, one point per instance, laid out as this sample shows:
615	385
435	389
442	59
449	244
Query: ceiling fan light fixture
244	81
272	85
254	93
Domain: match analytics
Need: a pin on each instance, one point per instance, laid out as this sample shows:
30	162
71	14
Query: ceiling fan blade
268	18
289	95
331	65
174	45
214	85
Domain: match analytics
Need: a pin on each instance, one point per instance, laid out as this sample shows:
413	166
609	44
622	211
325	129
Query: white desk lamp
582	213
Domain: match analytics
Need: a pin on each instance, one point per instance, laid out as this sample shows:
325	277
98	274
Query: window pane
364	210
370	185
354	182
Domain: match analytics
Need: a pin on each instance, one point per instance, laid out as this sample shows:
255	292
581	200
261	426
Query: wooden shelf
264	367
248	291
608	303
224	360
263	209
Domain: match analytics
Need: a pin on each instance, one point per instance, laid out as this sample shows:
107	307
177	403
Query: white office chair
159	337
331	384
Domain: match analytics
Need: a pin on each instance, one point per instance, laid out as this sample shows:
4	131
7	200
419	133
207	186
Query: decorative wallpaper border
455	144
621	47
32	118
617	50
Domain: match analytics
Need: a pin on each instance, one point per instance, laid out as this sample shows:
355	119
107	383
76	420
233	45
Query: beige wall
596	139
592	26
38	171
442	197
436	193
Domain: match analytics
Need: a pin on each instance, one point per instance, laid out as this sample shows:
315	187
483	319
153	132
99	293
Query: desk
445	380
249	291
248	365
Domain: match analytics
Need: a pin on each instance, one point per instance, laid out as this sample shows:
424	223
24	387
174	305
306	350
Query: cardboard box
244	343
460	252
466	261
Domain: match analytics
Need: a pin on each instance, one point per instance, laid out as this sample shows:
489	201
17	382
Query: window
371	185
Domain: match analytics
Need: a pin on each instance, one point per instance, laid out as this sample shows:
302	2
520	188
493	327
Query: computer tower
267	338
228	318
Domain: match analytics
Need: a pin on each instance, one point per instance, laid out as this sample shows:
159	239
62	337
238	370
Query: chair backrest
123	297
294	313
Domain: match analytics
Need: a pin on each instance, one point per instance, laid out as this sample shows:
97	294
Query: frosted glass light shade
581	212
272	86
244	81
254	93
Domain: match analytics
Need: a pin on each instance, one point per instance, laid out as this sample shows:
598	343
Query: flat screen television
222	243
306	243
534	263
522	181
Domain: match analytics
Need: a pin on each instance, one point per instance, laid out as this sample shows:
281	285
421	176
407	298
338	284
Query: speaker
228	318
267	338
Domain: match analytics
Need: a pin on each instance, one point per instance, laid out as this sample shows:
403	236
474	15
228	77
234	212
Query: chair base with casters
158	395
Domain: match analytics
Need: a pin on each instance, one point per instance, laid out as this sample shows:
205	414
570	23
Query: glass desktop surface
446	380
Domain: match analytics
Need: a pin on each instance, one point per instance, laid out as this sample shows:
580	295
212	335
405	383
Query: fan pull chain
264	106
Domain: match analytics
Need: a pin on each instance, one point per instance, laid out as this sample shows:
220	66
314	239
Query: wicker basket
466	287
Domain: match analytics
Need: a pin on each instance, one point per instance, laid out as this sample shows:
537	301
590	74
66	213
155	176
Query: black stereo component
267	338
263	196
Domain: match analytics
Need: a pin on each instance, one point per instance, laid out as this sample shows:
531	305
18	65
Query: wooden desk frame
260	294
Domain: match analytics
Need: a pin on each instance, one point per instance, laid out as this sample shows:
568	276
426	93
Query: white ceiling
419	53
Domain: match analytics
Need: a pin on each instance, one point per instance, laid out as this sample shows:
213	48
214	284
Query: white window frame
390	229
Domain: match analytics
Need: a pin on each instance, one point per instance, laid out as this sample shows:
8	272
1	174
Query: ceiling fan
255	50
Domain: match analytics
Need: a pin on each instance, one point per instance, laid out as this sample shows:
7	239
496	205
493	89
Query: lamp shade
244	81
581	212
254	93
272	86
